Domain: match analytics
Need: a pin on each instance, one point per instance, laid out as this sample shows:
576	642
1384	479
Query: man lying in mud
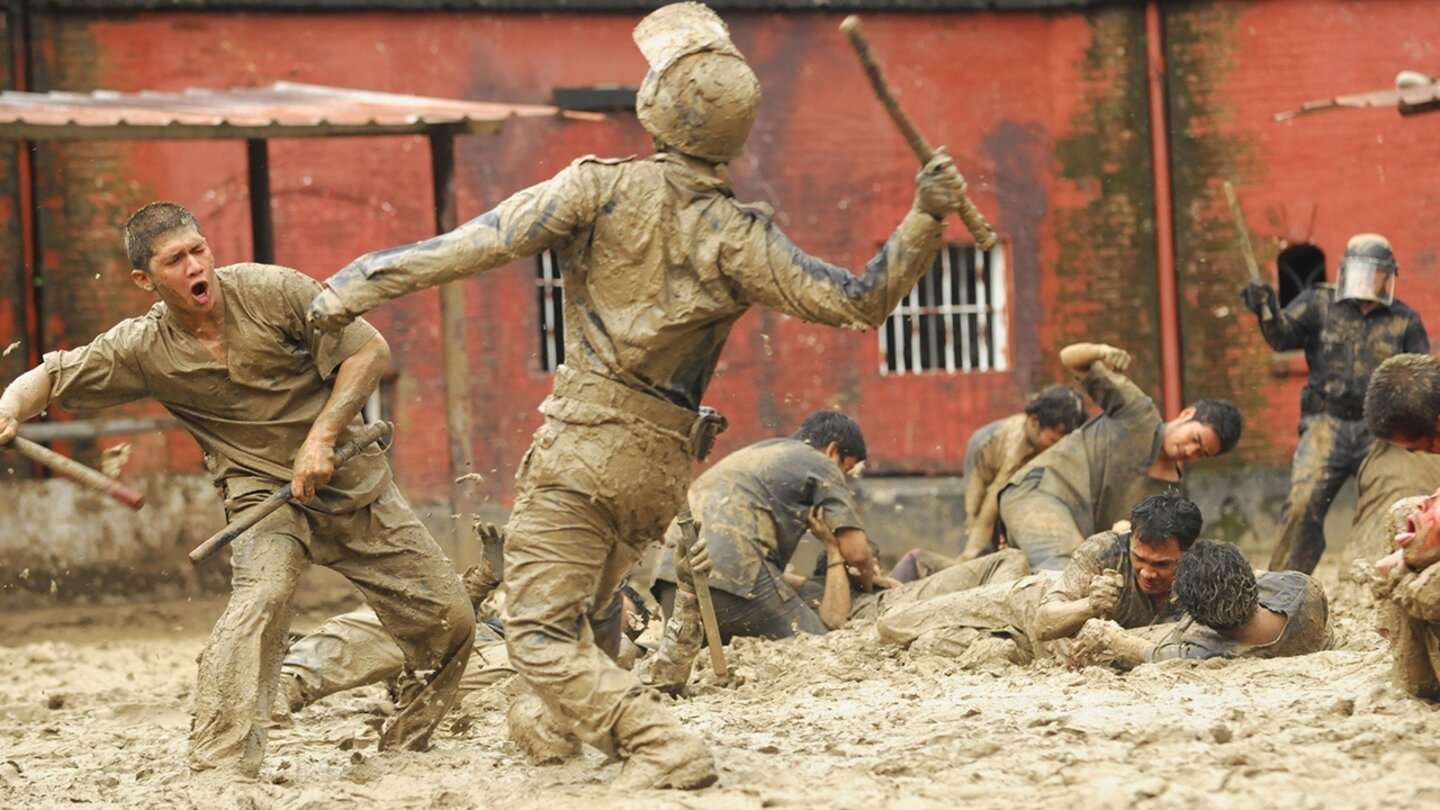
658	262
1090	479
1407	586
1122	576
1229	613
230	353
993	454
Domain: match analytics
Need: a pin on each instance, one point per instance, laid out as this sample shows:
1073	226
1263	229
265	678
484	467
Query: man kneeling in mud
1231	613
1122	576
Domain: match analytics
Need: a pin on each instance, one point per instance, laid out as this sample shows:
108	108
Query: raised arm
1292	325
523	225
1079	357
23	400
356	379
771	270
835	603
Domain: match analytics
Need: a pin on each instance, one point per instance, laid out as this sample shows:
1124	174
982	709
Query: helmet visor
1363	279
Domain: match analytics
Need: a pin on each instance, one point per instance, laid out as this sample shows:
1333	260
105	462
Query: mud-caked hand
1258	297
314	465
9	428
939	188
697	561
1104	592
816	520
328	312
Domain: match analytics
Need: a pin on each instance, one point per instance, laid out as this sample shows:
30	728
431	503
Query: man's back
1101	470
1299	597
752	505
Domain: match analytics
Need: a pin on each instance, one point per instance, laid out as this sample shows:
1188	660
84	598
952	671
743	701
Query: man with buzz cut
1092	478
658	261
229	351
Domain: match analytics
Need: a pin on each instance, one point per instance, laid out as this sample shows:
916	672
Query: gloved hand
1257	296
939	188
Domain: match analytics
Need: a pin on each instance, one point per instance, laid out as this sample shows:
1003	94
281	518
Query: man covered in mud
230	353
993	454
1346	333
658	262
752	509
1230	613
1122	576
1093	477
1407	585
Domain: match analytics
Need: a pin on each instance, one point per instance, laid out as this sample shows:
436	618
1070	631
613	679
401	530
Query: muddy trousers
596	487
387	553
1040	525
1005	565
1329	452
353	650
773	609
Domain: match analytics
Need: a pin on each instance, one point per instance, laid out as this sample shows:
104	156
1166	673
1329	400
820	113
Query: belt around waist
586	386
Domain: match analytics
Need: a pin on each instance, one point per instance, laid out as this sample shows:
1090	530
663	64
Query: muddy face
1419	540
1154	565
1188	440
1047	436
181	272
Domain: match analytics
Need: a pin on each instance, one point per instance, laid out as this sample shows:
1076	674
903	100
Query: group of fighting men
1074	528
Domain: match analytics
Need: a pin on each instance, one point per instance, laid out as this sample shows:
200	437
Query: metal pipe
1164	218
93	429
262	224
19	24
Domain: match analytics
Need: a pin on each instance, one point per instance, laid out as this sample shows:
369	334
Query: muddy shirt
250	415
1342	346
658	262
994	453
1307	624
751	510
1110	551
1101	470
1388	474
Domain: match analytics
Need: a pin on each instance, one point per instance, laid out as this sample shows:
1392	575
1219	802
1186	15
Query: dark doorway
1301	266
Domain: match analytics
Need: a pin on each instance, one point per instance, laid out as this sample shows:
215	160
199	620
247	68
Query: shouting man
230	353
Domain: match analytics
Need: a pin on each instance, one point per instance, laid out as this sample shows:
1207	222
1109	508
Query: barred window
954	319
551	299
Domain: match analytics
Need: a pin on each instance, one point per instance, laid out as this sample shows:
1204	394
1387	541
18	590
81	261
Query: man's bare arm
835	603
1061	619
23	400
1078	357
355	380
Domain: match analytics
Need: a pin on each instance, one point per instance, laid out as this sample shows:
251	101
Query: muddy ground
95	710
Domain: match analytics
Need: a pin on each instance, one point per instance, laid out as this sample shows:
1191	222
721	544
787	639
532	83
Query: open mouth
1408	534
200	291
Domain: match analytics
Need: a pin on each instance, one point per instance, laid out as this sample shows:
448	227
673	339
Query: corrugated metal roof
578	6
281	110
1414	93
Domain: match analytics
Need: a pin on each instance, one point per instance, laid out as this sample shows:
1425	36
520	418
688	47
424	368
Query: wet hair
1221	416
1059	407
1216	585
1158	518
1403	397
149	224
823	427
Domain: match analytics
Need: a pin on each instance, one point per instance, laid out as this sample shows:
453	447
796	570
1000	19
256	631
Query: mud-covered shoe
534	728
659	753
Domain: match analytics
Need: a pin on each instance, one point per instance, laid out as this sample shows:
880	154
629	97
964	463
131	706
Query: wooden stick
688	534
974	221
74	470
367	436
1252	266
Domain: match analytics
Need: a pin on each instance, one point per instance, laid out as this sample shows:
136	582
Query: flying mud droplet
8	349
113	460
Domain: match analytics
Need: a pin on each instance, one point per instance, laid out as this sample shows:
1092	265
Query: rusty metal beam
262	226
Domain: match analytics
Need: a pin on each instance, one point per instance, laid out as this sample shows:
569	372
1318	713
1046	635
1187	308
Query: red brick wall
1046	114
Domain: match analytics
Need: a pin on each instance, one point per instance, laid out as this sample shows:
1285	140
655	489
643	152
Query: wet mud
97	710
